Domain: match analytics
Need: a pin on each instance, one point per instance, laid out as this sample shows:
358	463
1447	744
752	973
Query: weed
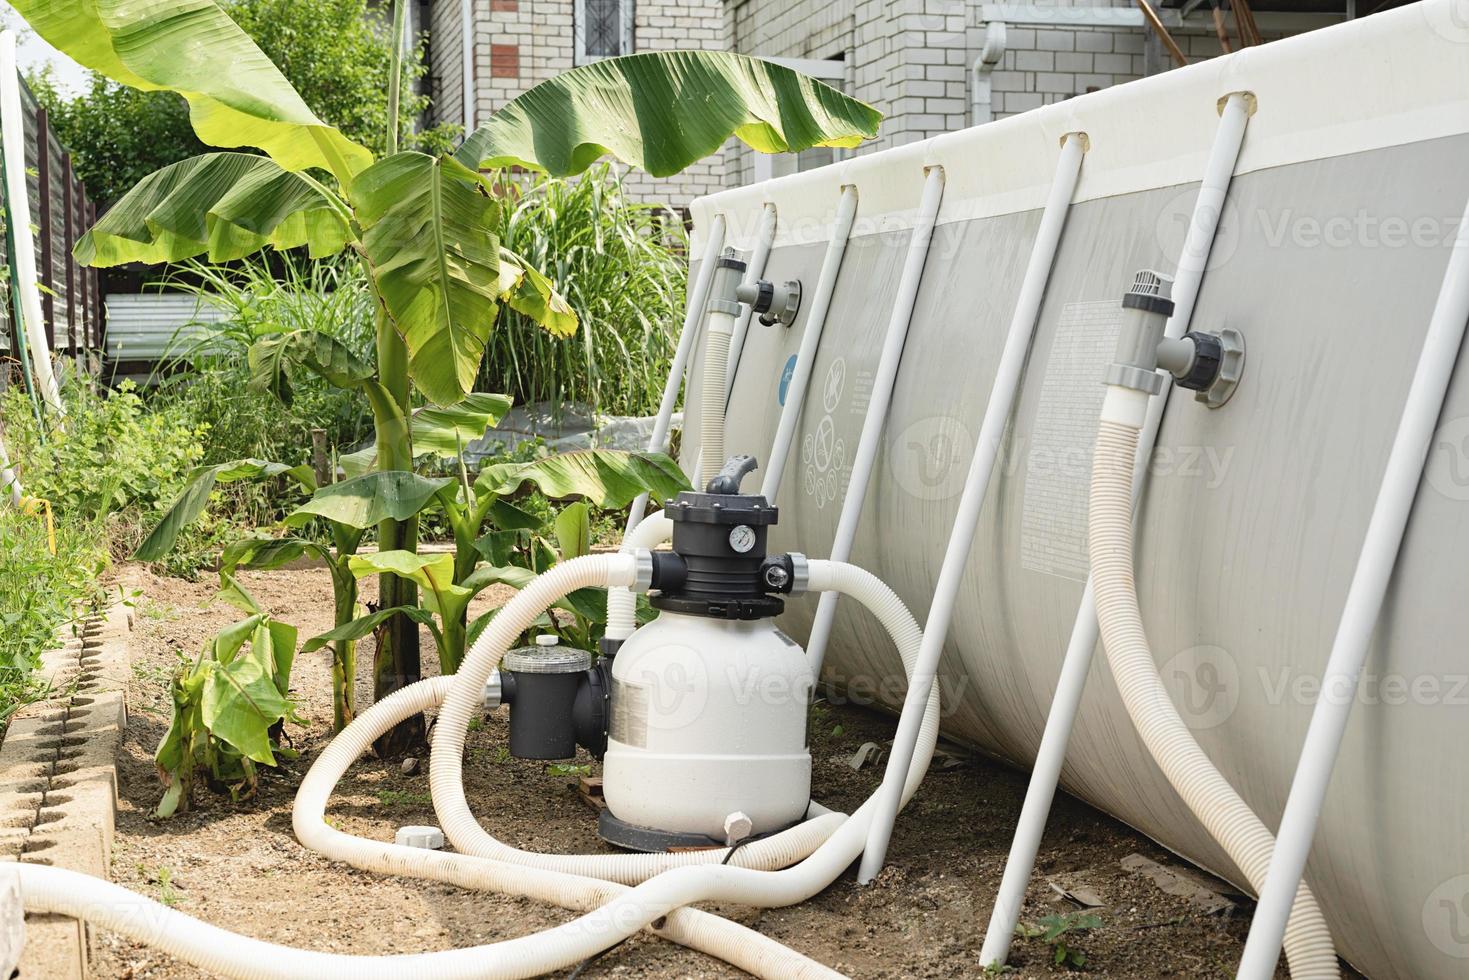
566	769
403	798
1058	931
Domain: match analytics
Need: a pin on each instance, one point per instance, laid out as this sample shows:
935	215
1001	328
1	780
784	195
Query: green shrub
40	593
621	266
209	377
114	467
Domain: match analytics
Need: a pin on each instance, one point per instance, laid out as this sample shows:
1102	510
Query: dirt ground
239	866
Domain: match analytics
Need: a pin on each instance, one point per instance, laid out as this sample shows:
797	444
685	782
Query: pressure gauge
742	538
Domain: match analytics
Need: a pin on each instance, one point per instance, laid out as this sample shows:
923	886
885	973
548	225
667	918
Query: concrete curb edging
58	779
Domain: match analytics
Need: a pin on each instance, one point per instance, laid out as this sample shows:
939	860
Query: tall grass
620	264
206	373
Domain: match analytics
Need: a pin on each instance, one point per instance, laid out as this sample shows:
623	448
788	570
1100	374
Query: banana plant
229	706
424	227
488	527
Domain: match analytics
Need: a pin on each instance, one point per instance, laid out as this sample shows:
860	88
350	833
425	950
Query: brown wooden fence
71	295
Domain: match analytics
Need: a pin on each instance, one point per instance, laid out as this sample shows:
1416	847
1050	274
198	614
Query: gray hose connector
1146	308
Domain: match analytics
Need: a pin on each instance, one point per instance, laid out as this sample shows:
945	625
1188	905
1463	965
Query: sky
35	53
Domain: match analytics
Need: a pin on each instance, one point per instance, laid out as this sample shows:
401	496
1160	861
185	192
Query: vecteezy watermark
1207	684
1204	684
1359	229
1447	468
930	457
1180	215
1446	917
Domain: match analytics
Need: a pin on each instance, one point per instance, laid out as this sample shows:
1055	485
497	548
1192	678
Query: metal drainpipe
468	91
984	66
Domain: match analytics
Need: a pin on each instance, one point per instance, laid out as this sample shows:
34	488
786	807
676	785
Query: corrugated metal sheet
150	326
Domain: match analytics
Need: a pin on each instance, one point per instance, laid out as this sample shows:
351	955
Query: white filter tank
708	721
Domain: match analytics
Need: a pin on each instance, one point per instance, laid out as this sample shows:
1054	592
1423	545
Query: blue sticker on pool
785	377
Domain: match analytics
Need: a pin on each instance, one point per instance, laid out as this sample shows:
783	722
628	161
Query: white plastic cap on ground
428	838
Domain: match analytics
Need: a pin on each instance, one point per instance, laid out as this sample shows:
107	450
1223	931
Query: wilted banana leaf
191	502
661	111
364	501
429	240
236	96
274	359
605	478
223	205
240	701
531	293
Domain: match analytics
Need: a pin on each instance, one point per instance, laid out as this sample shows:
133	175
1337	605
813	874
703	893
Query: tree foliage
334	52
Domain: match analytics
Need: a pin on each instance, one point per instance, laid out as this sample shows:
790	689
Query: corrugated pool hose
594	884
1228	819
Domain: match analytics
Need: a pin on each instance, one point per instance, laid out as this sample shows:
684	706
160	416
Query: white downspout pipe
877	407
12	133
790	413
984	67
986	451
693	316
1046	774
753	272
468	90
1359	618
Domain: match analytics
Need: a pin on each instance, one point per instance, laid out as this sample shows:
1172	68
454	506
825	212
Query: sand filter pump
700	716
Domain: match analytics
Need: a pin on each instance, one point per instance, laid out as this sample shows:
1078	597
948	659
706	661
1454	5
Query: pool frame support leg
1008	374
692	322
790	412
873	422
1353	642
1085	634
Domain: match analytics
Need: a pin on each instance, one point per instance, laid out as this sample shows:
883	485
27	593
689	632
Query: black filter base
649	840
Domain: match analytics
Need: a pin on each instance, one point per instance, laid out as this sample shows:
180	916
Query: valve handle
727	480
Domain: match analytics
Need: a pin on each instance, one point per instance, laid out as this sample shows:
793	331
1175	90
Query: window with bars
603	29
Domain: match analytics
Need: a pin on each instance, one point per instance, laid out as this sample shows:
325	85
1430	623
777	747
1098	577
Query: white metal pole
1218	171
468	91
753	272
877	406
790	413
693	317
12	134
986	451
1359	617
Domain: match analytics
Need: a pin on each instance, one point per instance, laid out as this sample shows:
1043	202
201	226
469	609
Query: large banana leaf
428	235
446	431
366	500
236	96
223	205
661	111
606	478
192	500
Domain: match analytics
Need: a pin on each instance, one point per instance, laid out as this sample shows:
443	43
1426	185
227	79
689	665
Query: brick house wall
912	59
520	43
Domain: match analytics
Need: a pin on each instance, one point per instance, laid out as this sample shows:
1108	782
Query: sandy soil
238	865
